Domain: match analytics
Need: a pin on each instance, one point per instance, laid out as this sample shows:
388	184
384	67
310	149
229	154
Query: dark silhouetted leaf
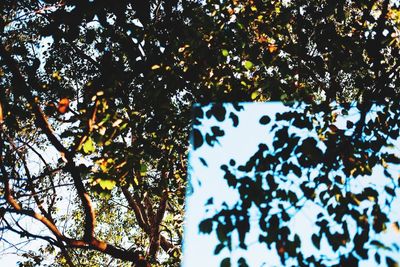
234	118
197	139
316	240
226	262
391	263
218	248
203	161
265	120
206	226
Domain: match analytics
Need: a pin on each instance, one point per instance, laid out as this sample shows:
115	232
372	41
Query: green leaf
224	52
248	64
107	184
143	169
88	146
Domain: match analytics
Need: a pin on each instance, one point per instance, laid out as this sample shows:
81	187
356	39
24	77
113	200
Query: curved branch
42	123
166	245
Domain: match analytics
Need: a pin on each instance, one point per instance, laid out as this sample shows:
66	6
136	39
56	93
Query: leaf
248	64
377	258
349	124
333	128
234	118
392	158
265	120
206	226
63	105
224	52
143	169
88	146
242	263
155	67
377	244
391	263
226	262
203	161
272	48
56	75
316	240
197	139
390	191
218	248
254	95
107	184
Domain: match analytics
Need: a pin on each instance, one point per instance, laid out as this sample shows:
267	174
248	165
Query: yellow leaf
135	180
56	75
88	146
154	67
107	184
254	95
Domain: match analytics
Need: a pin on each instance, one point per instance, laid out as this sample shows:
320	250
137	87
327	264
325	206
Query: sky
206	182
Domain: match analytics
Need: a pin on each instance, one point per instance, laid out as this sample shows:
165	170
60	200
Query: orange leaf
63	105
272	48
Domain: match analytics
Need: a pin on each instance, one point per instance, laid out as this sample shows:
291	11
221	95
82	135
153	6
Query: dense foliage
95	104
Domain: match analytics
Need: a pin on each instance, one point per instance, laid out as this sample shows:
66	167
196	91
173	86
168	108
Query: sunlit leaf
107	184
88	146
248	64
143	169
63	105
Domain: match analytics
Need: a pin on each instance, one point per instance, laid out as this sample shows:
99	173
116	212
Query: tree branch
42	123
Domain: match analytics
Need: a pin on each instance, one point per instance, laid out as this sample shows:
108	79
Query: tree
76	85
108	89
